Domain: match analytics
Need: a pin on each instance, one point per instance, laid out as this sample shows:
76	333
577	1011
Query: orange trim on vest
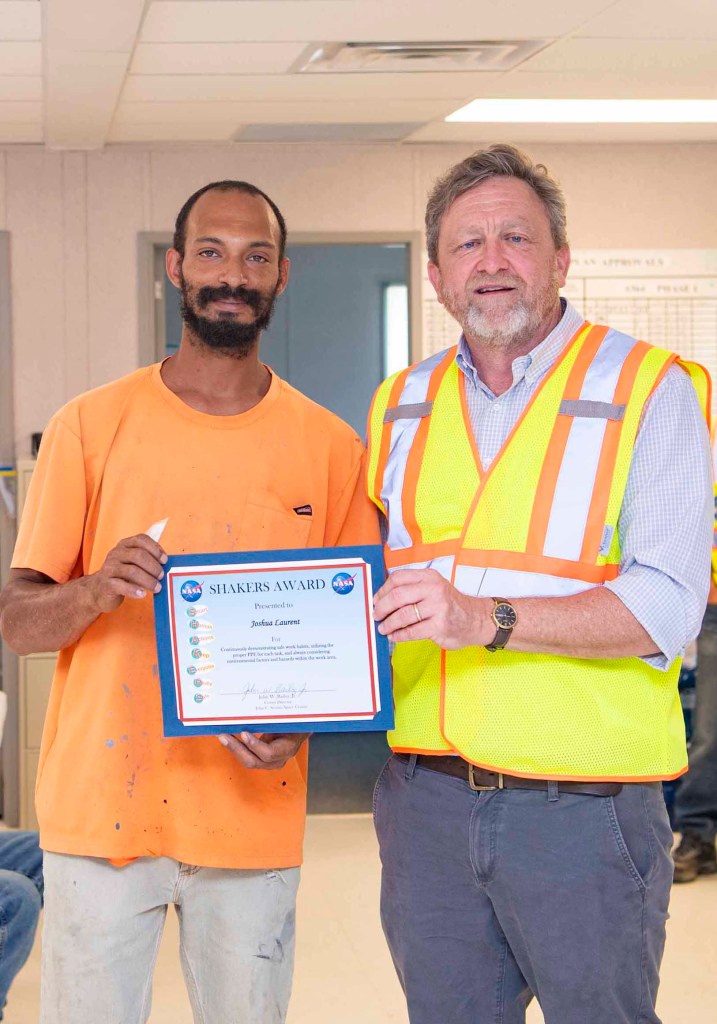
597	513
383	452
545	491
468	425
545	564
415	455
492	559
396	557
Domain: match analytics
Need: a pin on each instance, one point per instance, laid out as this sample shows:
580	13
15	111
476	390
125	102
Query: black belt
480	779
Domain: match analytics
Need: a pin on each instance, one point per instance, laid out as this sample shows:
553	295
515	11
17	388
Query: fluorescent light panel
515	111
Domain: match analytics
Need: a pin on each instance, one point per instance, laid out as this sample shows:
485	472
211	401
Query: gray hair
496	161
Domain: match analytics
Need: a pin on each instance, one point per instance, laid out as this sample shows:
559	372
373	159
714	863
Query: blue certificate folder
242	602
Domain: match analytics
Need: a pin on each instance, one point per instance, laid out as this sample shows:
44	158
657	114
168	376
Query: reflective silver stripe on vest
591	410
576	479
403	432
408	412
443	565
509	583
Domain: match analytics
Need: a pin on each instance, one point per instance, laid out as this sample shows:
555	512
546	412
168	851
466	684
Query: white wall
74	219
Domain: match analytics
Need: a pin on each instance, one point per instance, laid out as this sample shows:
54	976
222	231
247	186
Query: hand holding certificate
273	641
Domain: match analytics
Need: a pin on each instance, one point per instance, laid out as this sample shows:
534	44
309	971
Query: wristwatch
505	617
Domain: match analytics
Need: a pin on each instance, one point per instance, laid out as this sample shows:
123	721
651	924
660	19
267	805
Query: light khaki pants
103	926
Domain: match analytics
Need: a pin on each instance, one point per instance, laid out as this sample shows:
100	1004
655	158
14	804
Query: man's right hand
133	568
38	614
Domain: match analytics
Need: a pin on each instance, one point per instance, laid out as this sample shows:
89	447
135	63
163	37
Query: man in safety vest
547	492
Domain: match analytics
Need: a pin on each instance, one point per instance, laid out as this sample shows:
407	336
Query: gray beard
518	326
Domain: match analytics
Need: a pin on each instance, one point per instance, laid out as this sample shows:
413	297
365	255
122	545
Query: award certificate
272	641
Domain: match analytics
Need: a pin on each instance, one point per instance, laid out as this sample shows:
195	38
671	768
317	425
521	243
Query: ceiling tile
164	88
301	87
20	87
214	58
20	113
654	19
93	25
257	112
202	131
673	58
20	133
631	83
20	58
20	20
362	20
175	113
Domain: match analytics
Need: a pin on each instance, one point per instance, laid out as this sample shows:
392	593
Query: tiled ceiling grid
83	73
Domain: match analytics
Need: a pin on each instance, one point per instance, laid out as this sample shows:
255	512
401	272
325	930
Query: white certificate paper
272	644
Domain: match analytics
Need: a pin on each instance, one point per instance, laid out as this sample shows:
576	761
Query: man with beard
547	491
235	459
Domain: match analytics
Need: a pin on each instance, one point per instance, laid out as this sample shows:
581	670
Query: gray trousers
696	795
491	898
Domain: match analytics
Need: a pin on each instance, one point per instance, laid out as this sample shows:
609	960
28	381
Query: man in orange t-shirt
130	822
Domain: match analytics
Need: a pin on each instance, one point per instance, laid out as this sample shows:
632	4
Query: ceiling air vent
496	55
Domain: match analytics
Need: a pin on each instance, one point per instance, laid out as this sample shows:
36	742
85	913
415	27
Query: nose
233	273
493	258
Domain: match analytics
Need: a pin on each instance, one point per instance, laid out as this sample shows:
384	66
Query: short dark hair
229	185
496	161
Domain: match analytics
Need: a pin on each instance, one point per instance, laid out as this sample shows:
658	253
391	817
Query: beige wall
74	219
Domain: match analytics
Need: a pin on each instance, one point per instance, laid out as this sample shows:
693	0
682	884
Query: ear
434	276
562	260
173	263
284	267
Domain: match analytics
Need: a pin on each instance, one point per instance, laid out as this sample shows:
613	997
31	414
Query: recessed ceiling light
514	111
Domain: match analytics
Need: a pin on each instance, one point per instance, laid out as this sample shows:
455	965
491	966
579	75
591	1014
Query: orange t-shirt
112	462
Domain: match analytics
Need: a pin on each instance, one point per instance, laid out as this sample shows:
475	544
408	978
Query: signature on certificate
252	690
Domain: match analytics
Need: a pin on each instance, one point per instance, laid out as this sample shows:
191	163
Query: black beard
226	334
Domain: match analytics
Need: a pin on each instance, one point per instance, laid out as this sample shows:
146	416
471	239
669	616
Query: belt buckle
482	789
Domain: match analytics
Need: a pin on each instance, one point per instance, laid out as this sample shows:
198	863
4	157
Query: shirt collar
536	363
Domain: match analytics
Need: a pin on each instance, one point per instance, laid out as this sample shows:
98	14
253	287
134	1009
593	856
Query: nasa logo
343	583
191	590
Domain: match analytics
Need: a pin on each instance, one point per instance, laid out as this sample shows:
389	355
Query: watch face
504	615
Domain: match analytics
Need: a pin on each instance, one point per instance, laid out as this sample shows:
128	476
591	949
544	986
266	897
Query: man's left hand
268	751
420	604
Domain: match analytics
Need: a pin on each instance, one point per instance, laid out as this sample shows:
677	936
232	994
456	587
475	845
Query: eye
258	257
516	238
207	252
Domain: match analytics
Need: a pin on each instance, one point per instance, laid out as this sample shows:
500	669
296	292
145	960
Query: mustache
250	296
494	281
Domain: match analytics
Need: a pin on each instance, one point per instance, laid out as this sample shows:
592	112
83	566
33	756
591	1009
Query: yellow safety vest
541	521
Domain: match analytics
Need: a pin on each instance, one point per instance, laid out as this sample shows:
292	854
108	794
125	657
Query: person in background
20	895
695	806
547	490
20	902
131	821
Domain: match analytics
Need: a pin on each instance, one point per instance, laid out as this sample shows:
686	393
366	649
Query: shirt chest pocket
267	527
